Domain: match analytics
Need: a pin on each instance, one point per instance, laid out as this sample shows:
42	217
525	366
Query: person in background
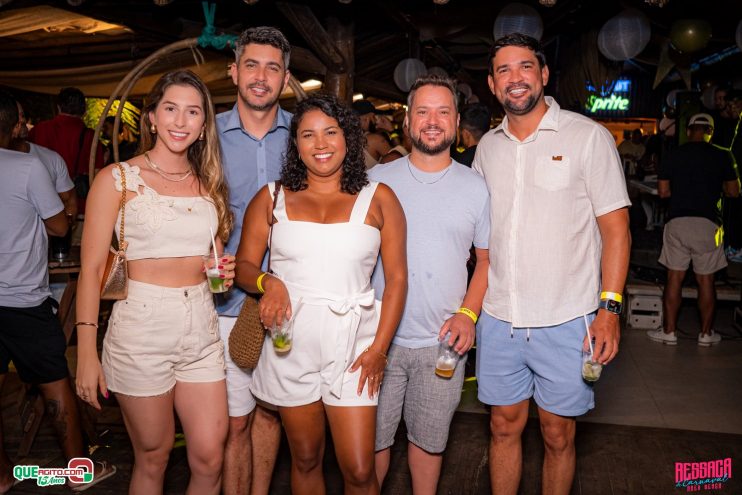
400	150
54	164
68	135
330	225
631	152
31	334
253	137
474	123
376	144
694	176
732	207
559	255
162	354
128	143
447	210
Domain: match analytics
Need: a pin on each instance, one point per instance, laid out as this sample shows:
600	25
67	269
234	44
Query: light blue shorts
547	365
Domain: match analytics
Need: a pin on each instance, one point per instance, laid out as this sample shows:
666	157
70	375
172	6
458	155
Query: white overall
327	269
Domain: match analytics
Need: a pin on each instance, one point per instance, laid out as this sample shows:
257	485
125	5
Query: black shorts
34	340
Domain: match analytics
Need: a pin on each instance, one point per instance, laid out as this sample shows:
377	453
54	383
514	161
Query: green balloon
690	35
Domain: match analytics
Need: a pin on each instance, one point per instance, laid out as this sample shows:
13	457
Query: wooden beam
304	20
377	88
341	84
304	60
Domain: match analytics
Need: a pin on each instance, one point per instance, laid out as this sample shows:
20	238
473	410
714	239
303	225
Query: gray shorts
428	401
687	239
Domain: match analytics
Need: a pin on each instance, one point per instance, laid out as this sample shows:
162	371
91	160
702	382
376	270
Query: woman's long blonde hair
203	155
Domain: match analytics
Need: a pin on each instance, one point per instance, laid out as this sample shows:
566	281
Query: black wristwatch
612	306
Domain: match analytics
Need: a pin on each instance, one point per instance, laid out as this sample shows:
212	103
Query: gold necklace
163	174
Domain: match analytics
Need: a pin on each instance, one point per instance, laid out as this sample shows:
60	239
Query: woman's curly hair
354	178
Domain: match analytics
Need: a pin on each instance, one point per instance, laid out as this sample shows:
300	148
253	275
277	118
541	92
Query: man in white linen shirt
559	235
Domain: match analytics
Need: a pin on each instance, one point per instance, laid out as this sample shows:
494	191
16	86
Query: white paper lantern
407	71
624	36
738	37
518	18
438	71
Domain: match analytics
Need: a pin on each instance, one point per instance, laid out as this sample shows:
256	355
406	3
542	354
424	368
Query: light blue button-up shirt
249	164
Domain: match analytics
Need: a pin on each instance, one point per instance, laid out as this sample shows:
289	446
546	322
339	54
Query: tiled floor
684	387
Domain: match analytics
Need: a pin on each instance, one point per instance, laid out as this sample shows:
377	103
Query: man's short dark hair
263	35
8	113
433	80
521	40
475	118
71	101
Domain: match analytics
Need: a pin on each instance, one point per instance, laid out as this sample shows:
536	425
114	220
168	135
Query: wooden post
341	83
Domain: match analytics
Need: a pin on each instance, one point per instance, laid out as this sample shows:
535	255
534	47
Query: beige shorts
160	335
687	239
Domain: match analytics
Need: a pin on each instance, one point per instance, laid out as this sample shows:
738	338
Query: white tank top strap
279	212
363	202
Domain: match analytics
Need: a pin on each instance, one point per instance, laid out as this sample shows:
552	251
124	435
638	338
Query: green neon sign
614	103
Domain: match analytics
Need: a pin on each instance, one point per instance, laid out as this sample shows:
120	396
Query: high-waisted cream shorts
160	335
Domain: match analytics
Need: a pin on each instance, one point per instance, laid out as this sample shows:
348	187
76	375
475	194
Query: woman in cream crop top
158	226
162	352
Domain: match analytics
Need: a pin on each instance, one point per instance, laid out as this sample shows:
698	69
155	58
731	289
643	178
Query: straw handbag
248	333
115	283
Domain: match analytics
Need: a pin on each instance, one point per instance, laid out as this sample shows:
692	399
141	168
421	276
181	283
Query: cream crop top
159	226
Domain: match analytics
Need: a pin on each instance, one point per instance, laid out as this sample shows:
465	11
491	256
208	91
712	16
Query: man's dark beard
418	143
530	104
265	106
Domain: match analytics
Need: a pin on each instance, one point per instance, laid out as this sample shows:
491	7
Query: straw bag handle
270	235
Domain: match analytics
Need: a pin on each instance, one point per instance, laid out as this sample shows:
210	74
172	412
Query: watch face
612	306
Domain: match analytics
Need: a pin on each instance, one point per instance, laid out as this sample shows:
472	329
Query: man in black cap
694	176
376	144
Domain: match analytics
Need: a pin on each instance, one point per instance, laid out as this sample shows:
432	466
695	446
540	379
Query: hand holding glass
214	274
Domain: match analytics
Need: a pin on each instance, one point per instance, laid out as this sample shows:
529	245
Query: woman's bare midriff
168	272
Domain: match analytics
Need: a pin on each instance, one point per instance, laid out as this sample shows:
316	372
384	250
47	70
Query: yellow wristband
613	296
259	282
468	312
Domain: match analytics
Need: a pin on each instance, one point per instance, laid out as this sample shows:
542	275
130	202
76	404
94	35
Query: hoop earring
153	129
201	136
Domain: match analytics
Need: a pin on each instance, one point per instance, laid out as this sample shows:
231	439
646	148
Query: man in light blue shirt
253	137
447	209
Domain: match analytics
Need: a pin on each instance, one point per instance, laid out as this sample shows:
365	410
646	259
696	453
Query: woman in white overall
329	225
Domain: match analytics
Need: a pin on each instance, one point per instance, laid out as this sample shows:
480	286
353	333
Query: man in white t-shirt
53	162
559	236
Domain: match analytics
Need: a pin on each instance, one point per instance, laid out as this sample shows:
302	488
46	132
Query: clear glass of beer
445	364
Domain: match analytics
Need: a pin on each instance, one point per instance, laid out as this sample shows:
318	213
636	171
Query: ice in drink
281	343
216	283
590	369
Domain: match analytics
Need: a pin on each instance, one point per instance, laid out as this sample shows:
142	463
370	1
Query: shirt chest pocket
551	174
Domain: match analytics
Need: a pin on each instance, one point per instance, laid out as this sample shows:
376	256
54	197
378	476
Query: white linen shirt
545	194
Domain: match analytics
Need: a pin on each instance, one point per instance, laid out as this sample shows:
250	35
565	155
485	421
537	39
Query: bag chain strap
122	245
